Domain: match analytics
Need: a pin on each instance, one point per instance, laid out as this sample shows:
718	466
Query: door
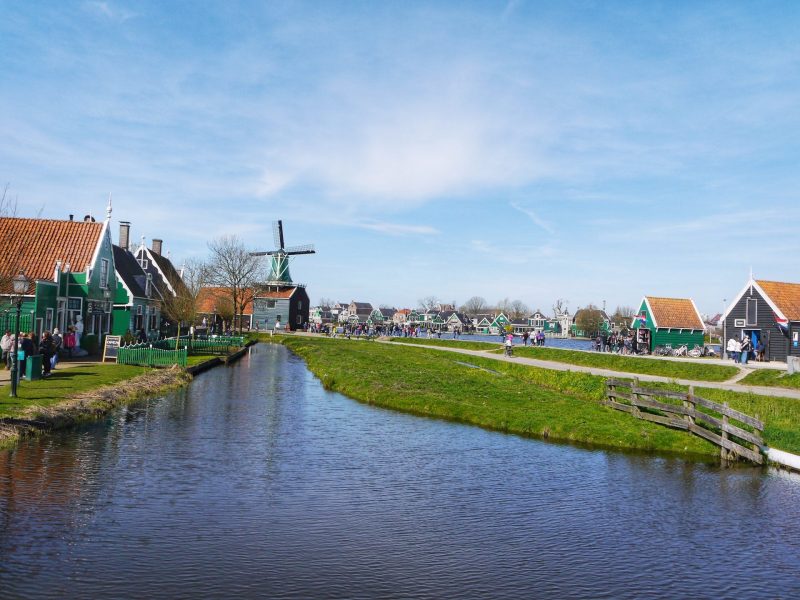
755	338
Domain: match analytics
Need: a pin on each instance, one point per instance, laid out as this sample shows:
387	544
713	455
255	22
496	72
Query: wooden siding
765	322
677	337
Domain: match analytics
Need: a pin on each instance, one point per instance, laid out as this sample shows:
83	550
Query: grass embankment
76	394
530	401
773	378
561	406
600	360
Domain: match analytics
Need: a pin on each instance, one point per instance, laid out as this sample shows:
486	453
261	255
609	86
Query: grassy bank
77	394
614	362
530	401
561	406
773	378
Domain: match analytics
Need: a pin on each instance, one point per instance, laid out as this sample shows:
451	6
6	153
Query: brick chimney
125	235
157	246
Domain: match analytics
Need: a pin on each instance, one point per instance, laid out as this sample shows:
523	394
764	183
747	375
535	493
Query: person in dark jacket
47	349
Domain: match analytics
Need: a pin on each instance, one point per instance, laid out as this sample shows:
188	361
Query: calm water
257	482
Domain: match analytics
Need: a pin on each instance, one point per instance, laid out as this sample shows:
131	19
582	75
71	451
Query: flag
783	324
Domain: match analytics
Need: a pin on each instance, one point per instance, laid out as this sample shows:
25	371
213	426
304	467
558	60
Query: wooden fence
661	406
151	357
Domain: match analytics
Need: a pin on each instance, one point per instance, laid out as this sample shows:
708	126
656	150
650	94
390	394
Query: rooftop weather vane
279	265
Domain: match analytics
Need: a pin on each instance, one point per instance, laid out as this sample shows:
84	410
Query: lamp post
722	340
20	287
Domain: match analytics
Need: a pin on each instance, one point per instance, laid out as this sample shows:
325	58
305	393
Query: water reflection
255	481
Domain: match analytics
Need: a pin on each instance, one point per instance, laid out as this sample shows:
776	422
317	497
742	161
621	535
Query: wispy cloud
108	11
512	254
396	228
533	216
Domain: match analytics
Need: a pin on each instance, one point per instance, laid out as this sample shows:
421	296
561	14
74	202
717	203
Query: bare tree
560	306
326	302
519	309
474	306
624	312
12	249
182	306
233	267
428	303
504	306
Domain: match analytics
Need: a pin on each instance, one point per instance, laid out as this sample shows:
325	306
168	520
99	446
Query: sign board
74	303
111	346
738	322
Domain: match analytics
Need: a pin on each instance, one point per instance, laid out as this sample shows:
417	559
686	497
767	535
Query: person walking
47	349
730	348
746	346
5	345
57	342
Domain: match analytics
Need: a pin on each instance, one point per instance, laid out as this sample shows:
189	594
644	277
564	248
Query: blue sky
584	150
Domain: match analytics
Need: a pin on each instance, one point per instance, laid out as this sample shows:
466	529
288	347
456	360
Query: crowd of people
619	343
742	350
49	347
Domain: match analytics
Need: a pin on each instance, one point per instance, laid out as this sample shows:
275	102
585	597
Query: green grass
613	362
773	378
488	346
561	406
65	382
530	401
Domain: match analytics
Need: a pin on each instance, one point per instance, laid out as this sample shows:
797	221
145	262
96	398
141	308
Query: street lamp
20	287
722	339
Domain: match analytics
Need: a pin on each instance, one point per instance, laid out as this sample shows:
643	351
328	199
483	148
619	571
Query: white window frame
747	312
104	273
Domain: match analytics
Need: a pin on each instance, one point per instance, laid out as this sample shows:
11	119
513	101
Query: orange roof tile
34	245
786	297
674	313
208	298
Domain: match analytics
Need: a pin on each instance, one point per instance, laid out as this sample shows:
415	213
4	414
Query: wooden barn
287	304
674	321
768	311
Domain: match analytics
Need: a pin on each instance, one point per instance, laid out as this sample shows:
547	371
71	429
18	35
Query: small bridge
681	410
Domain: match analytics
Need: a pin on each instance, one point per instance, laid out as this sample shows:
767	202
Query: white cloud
512	254
397	228
533	216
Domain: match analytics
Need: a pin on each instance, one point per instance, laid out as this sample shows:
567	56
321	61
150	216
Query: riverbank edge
90	405
335	386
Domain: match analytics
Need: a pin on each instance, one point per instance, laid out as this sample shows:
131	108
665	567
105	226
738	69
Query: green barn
674	321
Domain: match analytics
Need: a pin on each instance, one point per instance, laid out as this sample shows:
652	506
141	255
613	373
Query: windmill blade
277	233
304	249
280	232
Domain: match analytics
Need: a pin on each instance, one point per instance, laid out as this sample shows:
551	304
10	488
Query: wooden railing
681	410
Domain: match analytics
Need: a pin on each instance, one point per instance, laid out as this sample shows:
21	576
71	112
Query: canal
254	481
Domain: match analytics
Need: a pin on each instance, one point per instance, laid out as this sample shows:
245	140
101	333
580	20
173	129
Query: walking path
729	385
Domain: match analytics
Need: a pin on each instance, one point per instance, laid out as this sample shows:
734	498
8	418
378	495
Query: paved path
730	385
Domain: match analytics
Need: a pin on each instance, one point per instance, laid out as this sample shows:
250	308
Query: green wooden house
662	321
137	301
70	265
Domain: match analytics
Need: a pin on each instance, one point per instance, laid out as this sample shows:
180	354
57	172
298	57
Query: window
148	285
271	304
143	263
752	311
104	273
299	305
299	319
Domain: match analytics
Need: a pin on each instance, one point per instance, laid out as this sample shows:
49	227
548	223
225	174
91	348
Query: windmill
279	265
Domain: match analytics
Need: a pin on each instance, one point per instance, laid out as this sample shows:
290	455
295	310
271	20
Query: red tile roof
208	298
34	245
786	297
674	313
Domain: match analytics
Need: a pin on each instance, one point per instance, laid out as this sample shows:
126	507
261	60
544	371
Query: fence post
689	404
723	450
635	398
